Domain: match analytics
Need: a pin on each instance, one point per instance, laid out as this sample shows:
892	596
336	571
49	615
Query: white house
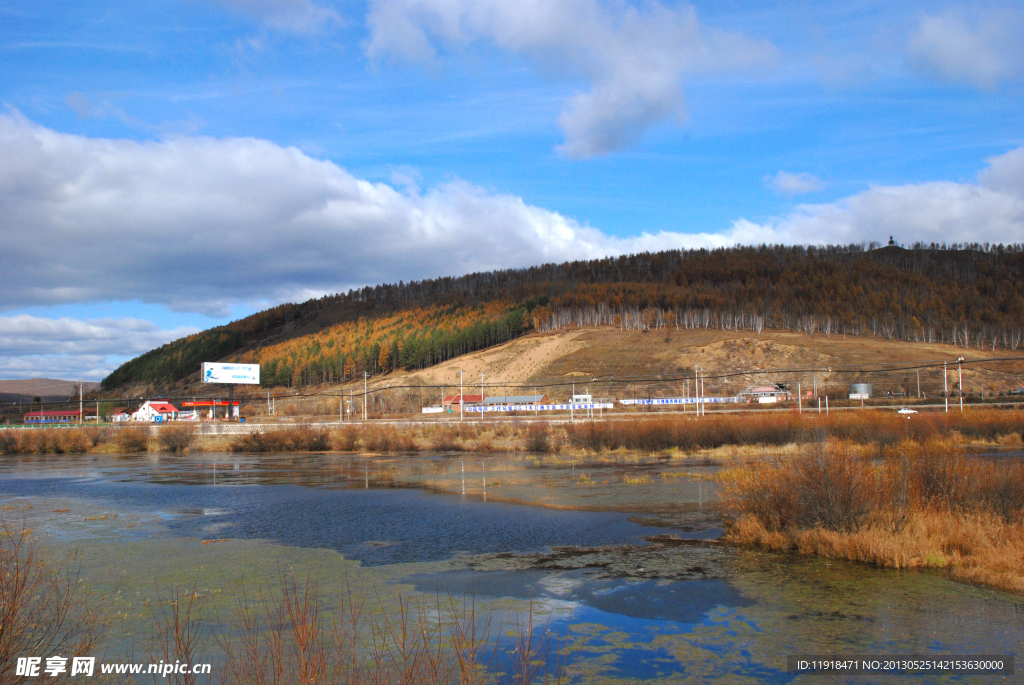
155	411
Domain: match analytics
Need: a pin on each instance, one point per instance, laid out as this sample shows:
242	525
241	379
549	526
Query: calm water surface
489	526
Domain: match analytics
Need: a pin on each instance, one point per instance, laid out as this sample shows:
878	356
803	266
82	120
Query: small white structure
155	411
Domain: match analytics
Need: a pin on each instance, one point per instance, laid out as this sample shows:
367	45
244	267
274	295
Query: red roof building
61	416
456	400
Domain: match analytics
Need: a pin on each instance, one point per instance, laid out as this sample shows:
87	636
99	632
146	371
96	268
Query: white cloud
983	49
32	346
199	224
635	58
299	16
786	183
991	210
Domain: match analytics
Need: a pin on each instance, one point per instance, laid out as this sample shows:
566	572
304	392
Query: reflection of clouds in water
559	585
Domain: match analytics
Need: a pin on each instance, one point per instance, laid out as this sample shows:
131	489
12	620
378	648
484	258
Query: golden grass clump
178	438
928	505
46	441
132	439
299	438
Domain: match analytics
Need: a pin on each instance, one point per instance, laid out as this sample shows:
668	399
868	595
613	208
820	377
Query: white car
907	411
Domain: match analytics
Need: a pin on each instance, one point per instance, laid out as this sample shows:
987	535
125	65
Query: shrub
259	441
445	440
132	439
177	438
9	443
346	439
538	438
43	603
70	441
387	439
303	437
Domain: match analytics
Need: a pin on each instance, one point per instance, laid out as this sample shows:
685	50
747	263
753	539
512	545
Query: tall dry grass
926	505
46	441
132	439
884	430
299	438
178	438
43	606
283	635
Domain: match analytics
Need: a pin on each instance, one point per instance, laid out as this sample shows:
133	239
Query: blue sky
169	166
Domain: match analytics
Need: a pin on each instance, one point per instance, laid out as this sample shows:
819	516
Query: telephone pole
481	395
960	383
462	396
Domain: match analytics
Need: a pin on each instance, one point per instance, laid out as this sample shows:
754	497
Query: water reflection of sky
374	526
735	627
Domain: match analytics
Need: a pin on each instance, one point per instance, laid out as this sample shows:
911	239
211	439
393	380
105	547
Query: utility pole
960	371
572	402
696	390
481	395
945	385
919	384
80	404
799	399
703	406
462	397
366	375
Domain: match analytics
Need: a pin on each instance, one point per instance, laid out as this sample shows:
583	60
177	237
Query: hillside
964	295
47	389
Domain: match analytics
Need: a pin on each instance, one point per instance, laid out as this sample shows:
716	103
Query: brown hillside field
581	354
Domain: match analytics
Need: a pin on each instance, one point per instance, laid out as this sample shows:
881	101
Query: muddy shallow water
622	553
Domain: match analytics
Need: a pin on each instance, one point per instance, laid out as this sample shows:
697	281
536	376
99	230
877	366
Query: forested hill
968	295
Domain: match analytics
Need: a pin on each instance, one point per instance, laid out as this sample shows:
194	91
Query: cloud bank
635	58
70	348
198	224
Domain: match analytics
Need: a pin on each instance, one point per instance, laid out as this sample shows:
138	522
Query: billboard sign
214	372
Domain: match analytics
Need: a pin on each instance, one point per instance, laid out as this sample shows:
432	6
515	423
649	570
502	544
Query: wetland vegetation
646	549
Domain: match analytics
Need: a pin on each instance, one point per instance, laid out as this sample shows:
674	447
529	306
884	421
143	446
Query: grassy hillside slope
964	295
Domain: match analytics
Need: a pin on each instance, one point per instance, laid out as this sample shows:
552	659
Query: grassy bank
879	431
924	504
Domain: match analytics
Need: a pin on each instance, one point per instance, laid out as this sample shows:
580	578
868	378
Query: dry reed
46	441
177	438
929	505
132	439
43	607
300	438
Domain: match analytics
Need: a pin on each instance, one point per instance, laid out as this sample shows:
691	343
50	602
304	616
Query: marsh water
620	555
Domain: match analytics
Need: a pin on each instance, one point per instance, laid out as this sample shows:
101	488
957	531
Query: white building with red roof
155	411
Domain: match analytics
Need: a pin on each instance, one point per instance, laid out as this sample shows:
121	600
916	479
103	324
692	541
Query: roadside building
767	393
59	416
453	401
515	399
155	411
